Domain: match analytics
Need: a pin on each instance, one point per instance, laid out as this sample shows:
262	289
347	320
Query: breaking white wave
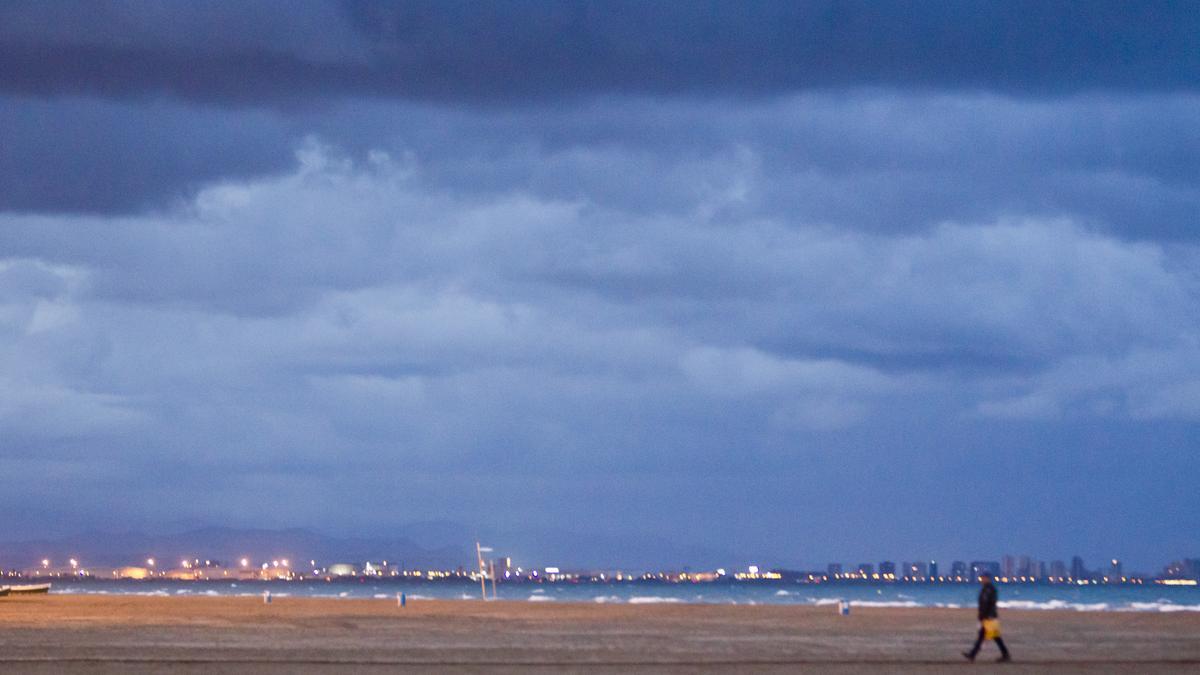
1162	607
1055	604
651	600
884	603
782	593
606	598
540	598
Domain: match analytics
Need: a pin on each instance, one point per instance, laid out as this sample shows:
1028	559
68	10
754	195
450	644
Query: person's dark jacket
987	602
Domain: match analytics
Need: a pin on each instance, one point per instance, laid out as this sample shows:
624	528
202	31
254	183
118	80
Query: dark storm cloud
284	52
873	161
876	158
81	155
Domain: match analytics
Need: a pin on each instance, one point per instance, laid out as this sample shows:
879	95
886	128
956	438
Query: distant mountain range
440	544
228	545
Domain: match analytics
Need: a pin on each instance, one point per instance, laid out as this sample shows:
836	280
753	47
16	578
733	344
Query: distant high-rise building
1040	572
1188	568
1058	569
887	567
1115	570
866	569
933	569
1008	566
979	566
834	569
958	569
1078	571
917	570
1025	566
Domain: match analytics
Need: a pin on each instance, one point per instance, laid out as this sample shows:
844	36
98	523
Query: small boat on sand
27	589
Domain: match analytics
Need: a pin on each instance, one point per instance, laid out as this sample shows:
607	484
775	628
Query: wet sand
115	634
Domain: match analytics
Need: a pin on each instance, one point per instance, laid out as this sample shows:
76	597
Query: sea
1147	597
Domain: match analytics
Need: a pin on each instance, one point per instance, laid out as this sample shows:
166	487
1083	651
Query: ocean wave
651	600
606	598
884	603
1055	604
540	598
1162	607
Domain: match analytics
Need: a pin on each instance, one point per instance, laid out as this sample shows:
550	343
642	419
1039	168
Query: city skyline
503	569
273	552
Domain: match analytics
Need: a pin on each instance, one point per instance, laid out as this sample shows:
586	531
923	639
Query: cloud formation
750	277
340	321
289	52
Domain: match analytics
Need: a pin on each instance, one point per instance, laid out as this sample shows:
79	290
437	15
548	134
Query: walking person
989	623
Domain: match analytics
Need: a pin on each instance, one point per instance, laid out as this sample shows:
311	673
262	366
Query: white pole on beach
482	571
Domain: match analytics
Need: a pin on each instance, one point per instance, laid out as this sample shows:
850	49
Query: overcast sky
607	282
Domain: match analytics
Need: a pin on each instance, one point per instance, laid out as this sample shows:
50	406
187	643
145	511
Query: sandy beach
130	634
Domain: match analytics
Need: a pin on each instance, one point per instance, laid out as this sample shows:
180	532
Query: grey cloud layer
290	52
311	331
874	161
